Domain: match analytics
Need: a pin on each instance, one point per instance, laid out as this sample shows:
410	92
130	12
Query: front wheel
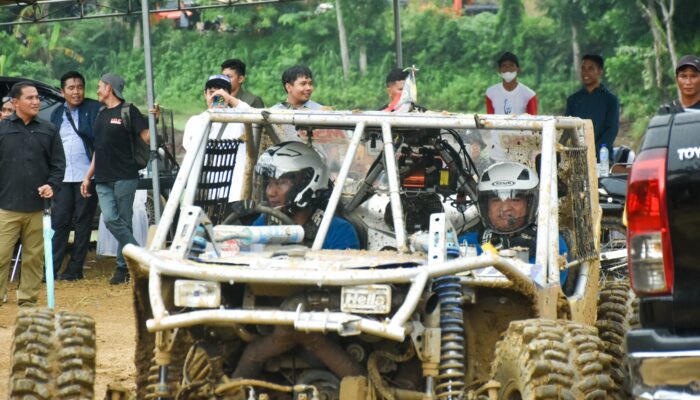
53	356
547	359
618	312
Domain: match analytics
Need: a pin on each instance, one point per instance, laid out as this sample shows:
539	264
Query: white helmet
504	181
299	162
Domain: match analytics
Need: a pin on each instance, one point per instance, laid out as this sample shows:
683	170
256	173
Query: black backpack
139	149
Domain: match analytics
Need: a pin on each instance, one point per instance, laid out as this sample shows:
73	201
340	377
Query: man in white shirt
217	94
508	97
74	120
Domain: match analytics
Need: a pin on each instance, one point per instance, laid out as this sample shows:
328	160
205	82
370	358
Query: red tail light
649	239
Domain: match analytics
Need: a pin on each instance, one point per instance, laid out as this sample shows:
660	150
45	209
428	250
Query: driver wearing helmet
295	180
507	203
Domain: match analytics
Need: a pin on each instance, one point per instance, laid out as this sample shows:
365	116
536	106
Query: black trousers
68	203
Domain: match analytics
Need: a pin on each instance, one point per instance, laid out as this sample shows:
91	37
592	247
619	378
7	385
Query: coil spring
450	381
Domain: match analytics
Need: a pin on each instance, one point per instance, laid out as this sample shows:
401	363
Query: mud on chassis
435	329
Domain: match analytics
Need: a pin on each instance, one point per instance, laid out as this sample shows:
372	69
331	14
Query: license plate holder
366	299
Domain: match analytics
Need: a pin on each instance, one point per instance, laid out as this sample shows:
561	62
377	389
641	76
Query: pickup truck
663	207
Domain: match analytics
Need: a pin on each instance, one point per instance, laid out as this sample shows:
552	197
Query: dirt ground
110	306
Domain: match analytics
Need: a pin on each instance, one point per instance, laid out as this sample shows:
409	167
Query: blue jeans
117	203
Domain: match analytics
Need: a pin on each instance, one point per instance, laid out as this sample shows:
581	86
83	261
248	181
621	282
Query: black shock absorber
450	380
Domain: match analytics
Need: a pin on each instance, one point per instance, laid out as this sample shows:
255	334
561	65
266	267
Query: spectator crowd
84	155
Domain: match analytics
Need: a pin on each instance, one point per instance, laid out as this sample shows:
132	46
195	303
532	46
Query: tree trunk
343	38
136	43
363	59
667	12
576	50
649	11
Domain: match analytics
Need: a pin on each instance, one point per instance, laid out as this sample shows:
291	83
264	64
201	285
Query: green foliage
455	55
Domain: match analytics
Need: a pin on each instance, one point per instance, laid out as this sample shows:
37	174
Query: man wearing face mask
510	96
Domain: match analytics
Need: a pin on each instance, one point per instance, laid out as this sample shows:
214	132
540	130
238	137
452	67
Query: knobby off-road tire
618	312
145	341
547	359
53	356
144	357
174	377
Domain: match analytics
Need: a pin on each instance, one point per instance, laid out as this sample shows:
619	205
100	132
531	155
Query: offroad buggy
407	317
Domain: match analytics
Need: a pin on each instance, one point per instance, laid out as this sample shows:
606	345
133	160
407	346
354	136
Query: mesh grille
580	202
215	178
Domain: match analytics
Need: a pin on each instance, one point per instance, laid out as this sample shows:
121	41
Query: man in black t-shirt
113	166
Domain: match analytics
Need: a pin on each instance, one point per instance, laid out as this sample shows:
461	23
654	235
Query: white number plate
366	299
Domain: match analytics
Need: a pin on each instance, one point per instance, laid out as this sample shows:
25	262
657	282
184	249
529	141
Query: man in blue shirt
74	122
295	180
595	102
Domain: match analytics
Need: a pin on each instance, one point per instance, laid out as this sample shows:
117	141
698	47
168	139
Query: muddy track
110	306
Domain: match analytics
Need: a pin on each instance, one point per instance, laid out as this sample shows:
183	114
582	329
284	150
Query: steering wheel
246	208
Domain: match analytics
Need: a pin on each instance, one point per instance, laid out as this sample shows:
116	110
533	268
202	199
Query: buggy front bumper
307	272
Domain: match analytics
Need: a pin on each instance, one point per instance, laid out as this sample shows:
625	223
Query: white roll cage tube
186	183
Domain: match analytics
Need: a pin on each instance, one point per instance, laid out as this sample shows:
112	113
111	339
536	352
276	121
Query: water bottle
604	161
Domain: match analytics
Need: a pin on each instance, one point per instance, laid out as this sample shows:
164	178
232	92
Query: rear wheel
151	209
546	359
618	312
613	236
53	356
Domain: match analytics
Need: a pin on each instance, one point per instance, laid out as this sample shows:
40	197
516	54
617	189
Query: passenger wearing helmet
294	178
507	203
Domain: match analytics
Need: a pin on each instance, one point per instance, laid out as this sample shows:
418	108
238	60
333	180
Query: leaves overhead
455	54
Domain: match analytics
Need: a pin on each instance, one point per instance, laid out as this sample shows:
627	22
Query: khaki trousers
28	227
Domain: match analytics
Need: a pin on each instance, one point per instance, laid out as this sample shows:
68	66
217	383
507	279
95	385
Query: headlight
197	294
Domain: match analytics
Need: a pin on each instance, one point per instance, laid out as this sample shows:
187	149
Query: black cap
508	56
117	83
688	60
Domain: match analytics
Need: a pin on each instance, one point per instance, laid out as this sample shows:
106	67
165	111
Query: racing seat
216	177
357	223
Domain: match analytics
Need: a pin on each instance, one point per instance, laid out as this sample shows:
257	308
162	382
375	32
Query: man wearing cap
218	95
595	102
74	121
688	81
510	96
31	170
235	70
7	108
113	166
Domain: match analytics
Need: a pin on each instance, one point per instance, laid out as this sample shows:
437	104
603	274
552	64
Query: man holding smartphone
217	94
